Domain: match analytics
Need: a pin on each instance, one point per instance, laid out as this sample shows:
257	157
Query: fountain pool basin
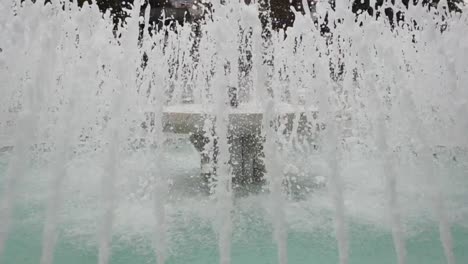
191	228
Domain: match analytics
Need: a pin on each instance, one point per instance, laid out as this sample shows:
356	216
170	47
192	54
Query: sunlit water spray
362	133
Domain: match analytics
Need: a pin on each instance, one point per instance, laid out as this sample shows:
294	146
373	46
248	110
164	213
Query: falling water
352	123
435	193
15	172
64	130
223	192
276	184
391	189
337	194
377	100
157	170
328	104
26	124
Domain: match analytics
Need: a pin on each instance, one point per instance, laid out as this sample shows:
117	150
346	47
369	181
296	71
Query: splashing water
363	135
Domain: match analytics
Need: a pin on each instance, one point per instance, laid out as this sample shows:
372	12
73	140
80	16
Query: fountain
228	146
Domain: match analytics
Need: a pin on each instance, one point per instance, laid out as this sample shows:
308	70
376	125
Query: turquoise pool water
196	244
193	239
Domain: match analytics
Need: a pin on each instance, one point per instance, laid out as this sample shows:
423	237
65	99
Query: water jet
341	170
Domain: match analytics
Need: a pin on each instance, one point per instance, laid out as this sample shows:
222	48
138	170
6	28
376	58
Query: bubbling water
84	104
